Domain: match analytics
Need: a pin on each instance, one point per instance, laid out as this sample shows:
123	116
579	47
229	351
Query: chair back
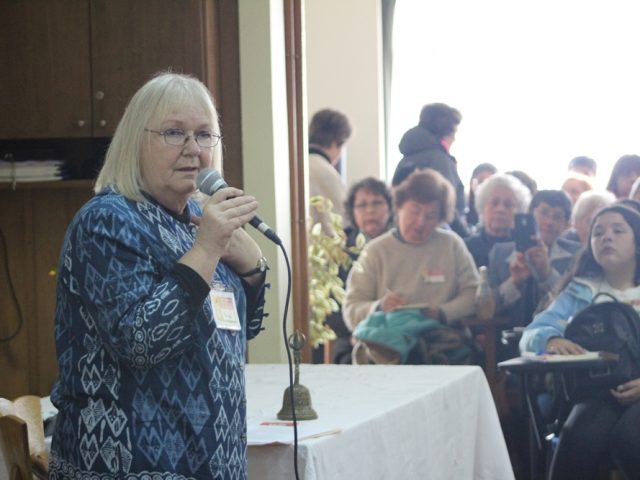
14	448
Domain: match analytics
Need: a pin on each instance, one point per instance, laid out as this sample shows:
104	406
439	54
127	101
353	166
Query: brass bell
301	395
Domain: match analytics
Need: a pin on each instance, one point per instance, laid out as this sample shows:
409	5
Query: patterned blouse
148	387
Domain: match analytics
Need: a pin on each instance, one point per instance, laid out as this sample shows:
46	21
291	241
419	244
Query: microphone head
209	181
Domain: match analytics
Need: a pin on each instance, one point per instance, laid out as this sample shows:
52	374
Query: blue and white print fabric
148	387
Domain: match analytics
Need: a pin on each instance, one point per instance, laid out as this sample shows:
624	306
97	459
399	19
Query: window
537	83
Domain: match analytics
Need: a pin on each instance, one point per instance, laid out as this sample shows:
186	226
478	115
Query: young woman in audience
606	424
417	263
369	211
498	199
624	173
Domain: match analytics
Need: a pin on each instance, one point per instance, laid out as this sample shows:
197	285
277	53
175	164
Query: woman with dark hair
416	264
605	424
369	211
369	208
624	173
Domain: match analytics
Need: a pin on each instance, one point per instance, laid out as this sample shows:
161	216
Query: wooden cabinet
33	221
70	66
45	62
68	69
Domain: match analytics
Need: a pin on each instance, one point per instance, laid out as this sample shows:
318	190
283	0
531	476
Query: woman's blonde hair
153	102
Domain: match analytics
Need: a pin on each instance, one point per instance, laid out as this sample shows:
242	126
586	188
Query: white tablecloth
398	422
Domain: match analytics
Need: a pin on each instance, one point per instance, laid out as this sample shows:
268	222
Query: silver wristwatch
261	267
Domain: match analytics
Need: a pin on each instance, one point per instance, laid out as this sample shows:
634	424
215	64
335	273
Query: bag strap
603	294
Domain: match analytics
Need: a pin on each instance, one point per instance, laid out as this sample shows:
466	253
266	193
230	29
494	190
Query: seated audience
521	279
499	198
604	426
479	175
584	165
369	210
575	184
585	208
624	173
416	264
427	146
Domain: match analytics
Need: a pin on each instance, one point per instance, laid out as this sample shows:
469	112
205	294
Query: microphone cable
12	290
290	362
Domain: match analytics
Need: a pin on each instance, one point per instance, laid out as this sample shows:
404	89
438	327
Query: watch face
262	264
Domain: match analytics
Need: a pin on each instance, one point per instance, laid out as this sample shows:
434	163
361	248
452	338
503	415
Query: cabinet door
130	41
44	60
33	222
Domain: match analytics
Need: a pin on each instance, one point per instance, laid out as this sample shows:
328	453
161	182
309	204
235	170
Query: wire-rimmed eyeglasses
179	138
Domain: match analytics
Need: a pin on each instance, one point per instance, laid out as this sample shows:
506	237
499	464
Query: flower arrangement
327	254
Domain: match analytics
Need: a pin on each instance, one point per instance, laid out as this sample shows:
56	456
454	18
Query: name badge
225	314
433	276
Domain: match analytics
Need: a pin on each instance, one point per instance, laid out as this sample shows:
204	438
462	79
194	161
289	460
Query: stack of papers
30	171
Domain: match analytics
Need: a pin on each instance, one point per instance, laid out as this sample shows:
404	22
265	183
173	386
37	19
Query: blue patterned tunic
148	387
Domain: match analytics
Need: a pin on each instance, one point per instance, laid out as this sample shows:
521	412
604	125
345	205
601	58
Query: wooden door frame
296	112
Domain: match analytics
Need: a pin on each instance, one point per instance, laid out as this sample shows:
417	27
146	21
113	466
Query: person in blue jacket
157	295
602	425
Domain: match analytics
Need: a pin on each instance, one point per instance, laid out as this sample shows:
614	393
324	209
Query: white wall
266	154
340	75
344	72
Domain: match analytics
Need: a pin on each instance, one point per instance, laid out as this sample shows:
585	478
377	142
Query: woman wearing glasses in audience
156	298
369	212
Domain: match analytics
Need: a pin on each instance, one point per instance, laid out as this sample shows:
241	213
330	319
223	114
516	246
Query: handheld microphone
209	181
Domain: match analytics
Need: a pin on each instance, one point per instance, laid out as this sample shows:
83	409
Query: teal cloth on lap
398	330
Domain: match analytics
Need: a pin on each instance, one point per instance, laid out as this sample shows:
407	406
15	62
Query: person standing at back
329	130
427	146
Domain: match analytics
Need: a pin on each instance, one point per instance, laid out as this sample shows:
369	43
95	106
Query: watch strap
260	268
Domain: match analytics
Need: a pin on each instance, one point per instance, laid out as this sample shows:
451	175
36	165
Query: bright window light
537	83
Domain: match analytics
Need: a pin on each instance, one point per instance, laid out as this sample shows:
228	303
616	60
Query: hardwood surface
33	222
45	63
15	448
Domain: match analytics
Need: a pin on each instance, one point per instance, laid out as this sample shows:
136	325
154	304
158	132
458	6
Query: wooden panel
34	222
49	227
133	40
226	55
44	60
14	358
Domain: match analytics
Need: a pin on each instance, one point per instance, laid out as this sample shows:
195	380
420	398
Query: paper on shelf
281	432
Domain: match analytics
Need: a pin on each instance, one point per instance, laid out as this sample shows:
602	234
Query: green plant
327	253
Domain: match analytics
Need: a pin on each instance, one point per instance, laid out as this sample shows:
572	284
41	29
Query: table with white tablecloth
434	422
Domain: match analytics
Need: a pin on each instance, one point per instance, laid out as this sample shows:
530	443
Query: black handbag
610	327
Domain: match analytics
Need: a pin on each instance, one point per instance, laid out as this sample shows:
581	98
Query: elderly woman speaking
418	267
157	296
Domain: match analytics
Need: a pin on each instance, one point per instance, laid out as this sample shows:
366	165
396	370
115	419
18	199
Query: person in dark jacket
427	146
